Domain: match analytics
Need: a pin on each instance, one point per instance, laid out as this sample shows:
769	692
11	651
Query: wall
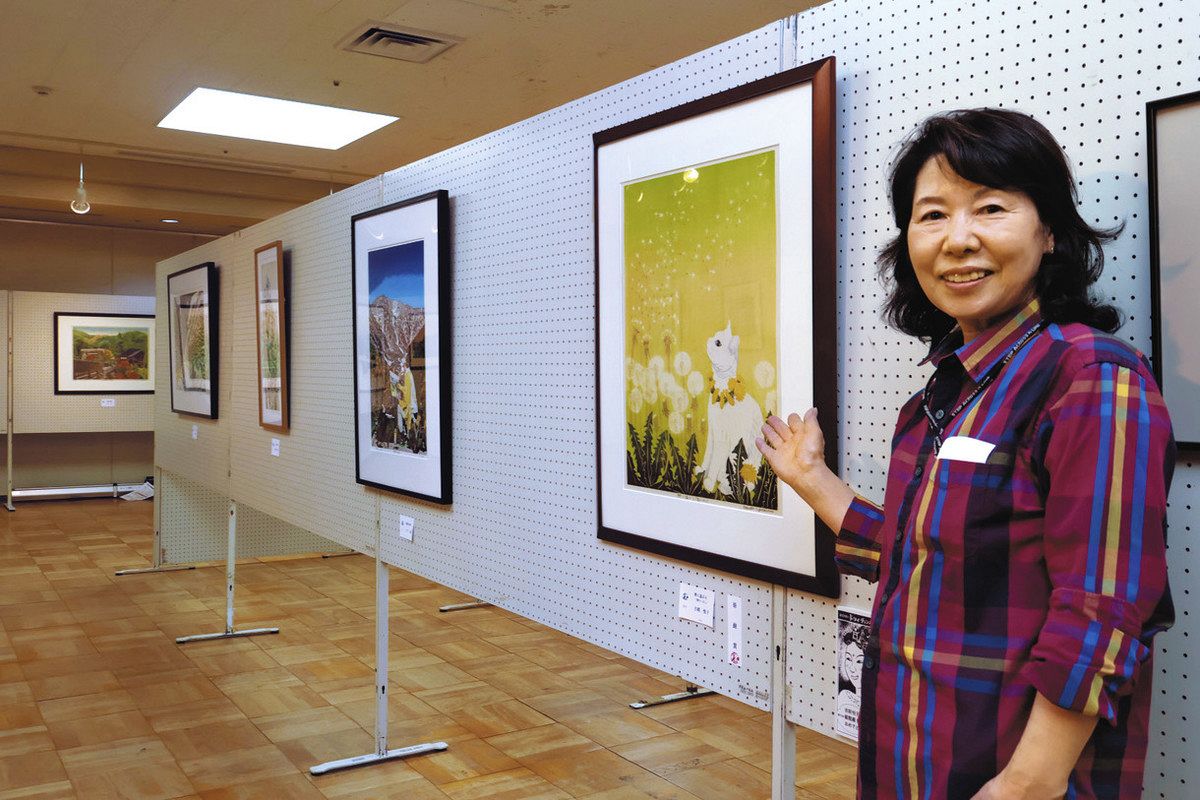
49	257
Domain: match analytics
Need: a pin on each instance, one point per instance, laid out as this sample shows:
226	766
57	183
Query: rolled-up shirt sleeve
857	549
1107	463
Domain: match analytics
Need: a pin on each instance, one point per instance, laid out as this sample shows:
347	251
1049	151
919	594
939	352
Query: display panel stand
382	753
688	693
783	733
8	405
465	606
230	567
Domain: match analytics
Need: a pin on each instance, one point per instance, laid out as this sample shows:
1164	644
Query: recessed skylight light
269	119
169	221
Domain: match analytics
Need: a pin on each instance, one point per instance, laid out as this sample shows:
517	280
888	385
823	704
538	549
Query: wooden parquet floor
97	700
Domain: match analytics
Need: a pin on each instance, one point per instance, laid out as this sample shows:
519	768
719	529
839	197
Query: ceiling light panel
269	119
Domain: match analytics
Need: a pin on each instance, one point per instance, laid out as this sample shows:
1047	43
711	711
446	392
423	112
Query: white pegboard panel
1086	71
260	534
1172	770
195	448
193	521
522	530
36	408
194	526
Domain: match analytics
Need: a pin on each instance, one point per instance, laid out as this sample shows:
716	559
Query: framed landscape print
401	290
192	326
716	307
1175	258
270	297
103	353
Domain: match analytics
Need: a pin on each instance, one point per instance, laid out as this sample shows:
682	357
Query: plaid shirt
1041	570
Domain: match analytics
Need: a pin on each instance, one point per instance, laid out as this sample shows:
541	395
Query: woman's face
852	661
975	249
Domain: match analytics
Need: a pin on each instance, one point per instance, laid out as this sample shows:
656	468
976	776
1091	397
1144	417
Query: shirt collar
981	353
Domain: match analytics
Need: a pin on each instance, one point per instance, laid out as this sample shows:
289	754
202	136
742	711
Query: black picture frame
824	578
1174	207
420	466
62	383
199	288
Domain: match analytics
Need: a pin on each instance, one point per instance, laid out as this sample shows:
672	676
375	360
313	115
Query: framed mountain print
192	328
401	291
103	353
1175	259
716	307
270	297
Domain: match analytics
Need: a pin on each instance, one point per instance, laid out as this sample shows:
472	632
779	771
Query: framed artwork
716	307
401	292
192	323
270	295
103	353
1175	258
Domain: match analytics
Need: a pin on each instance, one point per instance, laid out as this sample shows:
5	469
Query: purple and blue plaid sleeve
1104	537
857	549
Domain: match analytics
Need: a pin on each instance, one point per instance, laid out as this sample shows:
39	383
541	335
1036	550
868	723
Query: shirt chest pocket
966	511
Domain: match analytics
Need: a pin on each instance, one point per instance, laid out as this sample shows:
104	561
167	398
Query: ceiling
109	70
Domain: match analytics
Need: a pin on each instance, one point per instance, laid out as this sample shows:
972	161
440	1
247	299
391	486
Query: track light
80	204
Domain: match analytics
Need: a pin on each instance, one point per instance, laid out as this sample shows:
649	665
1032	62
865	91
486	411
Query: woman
1019	553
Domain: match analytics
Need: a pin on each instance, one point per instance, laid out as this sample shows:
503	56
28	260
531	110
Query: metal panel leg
382	753
230	568
783	733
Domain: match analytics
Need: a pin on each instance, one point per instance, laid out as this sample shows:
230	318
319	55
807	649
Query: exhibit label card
733	628
696	604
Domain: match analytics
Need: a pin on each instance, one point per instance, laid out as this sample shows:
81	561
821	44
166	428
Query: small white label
195	431
733	633
275	447
964	448
404	527
108	402
696	604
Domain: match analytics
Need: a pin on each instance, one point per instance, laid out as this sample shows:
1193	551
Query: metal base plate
671	698
204	637
145	570
464	606
375	758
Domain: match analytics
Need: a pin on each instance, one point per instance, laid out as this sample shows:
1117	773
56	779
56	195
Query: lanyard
937	425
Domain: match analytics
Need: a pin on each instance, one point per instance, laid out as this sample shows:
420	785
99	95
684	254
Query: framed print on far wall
1175	259
192	324
103	353
716	307
270	294
401	293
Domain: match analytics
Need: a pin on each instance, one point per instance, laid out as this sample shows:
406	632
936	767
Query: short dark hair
1011	151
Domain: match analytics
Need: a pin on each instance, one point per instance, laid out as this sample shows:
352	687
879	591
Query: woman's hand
795	450
1002	788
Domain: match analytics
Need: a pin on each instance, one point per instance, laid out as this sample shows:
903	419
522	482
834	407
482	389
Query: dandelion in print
396	335
700	329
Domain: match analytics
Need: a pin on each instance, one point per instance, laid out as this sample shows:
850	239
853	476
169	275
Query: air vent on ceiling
392	41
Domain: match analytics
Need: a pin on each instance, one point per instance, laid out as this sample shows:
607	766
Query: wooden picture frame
1174	172
401	294
103	353
716	305
193	326
271	327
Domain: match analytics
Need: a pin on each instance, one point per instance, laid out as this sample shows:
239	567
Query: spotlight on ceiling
170	221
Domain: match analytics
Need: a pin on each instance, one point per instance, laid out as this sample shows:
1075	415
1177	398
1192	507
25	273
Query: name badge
964	448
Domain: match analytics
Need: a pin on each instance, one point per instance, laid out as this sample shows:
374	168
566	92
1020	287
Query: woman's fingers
771	433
